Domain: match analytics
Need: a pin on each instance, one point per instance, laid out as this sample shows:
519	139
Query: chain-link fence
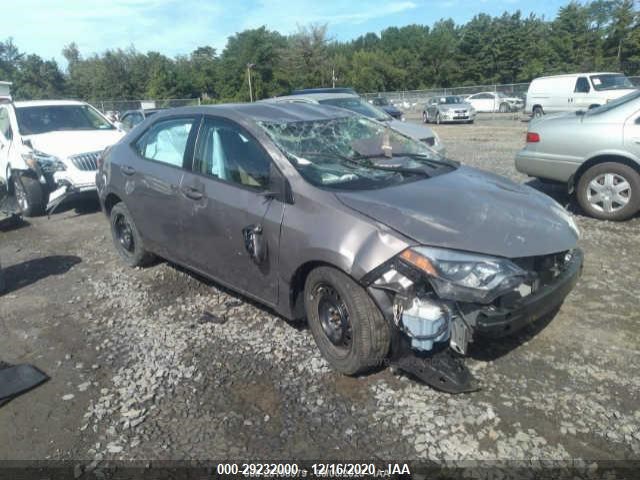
124	105
413	101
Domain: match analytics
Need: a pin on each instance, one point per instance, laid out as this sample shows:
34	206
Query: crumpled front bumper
501	322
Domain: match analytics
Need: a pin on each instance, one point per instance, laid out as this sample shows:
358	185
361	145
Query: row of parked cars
318	206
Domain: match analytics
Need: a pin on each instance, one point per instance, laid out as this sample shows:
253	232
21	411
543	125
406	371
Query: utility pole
333	77
249	67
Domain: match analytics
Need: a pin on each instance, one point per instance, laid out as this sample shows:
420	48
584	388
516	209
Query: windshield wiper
420	157
362	161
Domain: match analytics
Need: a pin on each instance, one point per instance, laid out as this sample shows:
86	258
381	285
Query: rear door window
166	141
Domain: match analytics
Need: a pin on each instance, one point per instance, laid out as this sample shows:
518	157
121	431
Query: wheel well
602	159
296	287
110	202
537	106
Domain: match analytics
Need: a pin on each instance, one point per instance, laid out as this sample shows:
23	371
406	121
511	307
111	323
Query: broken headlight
465	277
47	163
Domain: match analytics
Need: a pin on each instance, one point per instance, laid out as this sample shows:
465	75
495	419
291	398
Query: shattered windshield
353	153
356	104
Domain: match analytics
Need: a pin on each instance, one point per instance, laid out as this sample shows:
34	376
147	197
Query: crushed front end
440	300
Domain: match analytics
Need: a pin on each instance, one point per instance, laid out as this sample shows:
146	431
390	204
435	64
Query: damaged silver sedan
394	254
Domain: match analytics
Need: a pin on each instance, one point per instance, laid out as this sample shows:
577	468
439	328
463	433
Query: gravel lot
137	374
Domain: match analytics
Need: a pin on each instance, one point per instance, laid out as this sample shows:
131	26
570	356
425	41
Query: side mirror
279	187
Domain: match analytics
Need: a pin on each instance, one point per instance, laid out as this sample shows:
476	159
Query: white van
576	91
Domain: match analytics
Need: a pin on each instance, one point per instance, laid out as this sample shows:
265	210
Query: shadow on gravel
83	204
13	223
26	273
237	298
557	191
489	349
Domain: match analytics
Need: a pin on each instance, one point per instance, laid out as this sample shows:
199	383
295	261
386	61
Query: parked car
383	104
577	91
49	147
356	104
391	252
131	118
494	102
596	152
450	108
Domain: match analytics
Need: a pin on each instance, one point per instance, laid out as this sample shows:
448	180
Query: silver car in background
449	108
356	104
596	152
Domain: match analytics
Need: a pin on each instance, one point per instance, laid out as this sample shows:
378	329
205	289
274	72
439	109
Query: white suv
51	145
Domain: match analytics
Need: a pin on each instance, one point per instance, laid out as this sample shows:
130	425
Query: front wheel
609	191
425	117
348	327
29	195
438	118
537	112
504	108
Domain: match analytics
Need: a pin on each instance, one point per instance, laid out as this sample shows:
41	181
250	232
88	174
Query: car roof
315	97
577	74
47	103
305	91
264	111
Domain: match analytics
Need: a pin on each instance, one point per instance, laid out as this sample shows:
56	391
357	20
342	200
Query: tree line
510	48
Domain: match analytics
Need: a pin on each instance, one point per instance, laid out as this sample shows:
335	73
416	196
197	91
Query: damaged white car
49	150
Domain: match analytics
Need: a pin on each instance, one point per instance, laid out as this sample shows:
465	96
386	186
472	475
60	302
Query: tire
504	108
365	343
537	112
618	186
470	122
425	117
29	195
438	118
127	239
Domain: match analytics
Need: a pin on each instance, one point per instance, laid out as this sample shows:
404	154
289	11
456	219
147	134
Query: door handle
127	170
192	193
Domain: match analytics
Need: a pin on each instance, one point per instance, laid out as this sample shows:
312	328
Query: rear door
225	196
152	179
632	134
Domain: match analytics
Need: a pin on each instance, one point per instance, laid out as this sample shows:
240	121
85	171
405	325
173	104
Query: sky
175	27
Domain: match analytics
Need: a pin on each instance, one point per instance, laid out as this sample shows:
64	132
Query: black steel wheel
348	327
127	239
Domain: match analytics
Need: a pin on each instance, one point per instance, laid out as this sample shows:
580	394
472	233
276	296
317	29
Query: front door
227	206
581	98
632	134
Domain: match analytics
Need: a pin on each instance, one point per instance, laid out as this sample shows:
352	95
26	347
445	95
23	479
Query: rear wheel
29	195
425	117
537	112
127	239
349	329
609	191
504	108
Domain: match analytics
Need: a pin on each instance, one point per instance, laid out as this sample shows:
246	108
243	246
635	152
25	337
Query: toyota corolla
394	254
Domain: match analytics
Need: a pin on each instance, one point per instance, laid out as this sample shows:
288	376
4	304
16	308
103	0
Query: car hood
413	130
447	106
67	143
471	210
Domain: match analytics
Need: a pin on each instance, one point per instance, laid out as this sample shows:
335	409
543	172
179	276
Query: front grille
86	161
461	112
